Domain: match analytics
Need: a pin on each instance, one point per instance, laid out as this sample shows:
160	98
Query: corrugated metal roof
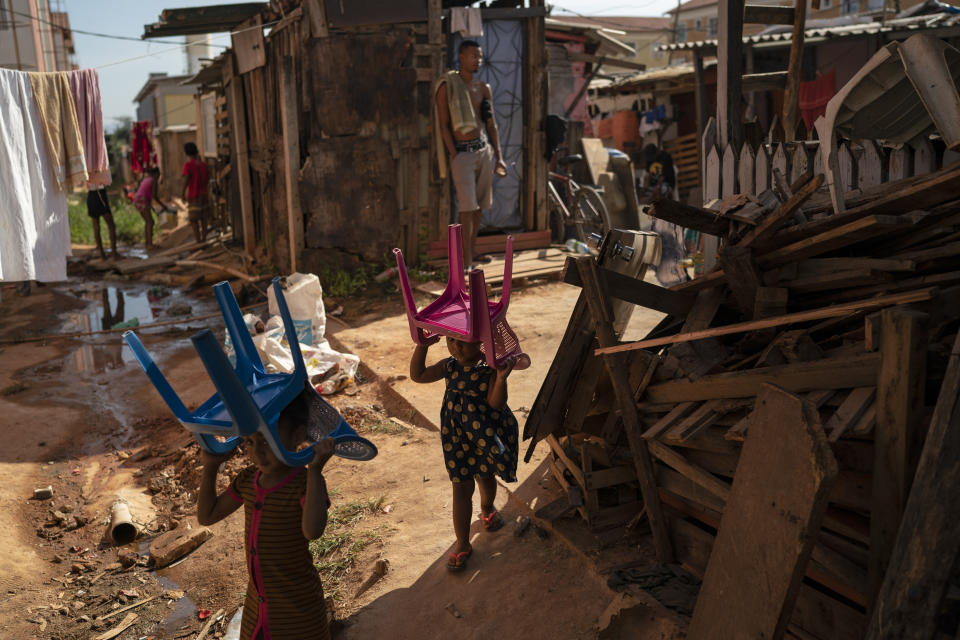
783	35
607	44
674	72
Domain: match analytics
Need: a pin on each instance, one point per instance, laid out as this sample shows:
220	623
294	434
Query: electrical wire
106	35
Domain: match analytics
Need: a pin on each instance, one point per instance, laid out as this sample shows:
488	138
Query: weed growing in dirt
128	221
385	427
340	283
336	553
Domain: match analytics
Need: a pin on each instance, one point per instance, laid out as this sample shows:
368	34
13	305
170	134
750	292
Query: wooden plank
898	435
317	14
837	280
763	232
764	14
729	73
689	470
850	411
742	276
635	291
777	503
922	193
696	422
238	119
603	324
248	45
289	117
746	169
830	373
770	81
677	413
835	311
925	551
689	217
852	233
791	94
823	266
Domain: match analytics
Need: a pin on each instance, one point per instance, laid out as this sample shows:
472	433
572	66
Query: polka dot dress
478	440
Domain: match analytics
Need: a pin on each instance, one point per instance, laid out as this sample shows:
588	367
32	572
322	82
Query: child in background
284	508
143	200
195	191
98	205
478	433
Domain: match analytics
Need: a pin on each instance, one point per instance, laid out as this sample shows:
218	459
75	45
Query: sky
120	81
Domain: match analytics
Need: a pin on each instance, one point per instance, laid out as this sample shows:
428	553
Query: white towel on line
34	222
467	21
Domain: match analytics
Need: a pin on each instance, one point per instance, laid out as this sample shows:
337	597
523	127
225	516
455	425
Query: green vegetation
128	221
336	553
340	283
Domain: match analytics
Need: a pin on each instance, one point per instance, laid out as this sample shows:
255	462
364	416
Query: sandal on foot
493	521
458	561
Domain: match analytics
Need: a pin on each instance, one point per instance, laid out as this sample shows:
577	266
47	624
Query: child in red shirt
195	191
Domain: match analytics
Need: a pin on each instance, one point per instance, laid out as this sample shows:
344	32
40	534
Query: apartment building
35	35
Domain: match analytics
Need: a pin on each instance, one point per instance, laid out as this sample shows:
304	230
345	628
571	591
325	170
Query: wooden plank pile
783	403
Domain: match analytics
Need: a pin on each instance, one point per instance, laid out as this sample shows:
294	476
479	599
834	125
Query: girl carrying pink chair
479	433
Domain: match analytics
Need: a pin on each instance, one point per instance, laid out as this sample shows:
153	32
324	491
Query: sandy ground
93	415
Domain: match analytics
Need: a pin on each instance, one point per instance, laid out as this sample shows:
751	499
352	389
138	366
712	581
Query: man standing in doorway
465	119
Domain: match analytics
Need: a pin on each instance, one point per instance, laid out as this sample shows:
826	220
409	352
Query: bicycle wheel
590	213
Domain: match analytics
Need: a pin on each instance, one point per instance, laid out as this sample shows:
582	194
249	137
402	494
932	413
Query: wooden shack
322	146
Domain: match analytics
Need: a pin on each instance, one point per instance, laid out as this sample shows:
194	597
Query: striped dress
284	598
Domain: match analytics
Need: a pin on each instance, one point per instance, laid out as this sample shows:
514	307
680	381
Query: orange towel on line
61	128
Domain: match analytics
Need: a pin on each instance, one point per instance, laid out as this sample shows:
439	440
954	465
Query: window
681	33
712	27
4	24
849	6
875	5
825	4
698	25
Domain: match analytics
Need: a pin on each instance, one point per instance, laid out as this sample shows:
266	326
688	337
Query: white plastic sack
304	297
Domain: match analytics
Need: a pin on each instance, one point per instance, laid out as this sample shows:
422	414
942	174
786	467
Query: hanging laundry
143	155
51	91
34	224
467	21
85	88
814	96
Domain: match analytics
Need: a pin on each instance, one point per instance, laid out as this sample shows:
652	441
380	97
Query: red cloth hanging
143	154
814	96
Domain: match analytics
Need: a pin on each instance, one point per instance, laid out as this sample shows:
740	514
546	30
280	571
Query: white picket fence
862	163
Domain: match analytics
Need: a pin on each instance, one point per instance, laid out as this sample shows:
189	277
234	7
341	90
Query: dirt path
87	408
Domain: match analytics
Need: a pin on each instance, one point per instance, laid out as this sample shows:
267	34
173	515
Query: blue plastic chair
248	399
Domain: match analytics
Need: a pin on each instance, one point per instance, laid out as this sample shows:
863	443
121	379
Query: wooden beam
764	231
834	311
898	435
616	368
791	96
690	217
238	126
729	73
743	278
689	470
317	13
632	290
764	14
777	504
290	120
852	233
829	373
925	552
772	81
577	56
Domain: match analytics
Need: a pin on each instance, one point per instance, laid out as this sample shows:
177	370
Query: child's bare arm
315	502
211	507
419	371
497	392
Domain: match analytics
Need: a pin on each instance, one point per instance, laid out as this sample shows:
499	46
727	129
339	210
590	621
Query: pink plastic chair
452	314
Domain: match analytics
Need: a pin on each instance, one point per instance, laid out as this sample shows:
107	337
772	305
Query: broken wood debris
850	316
